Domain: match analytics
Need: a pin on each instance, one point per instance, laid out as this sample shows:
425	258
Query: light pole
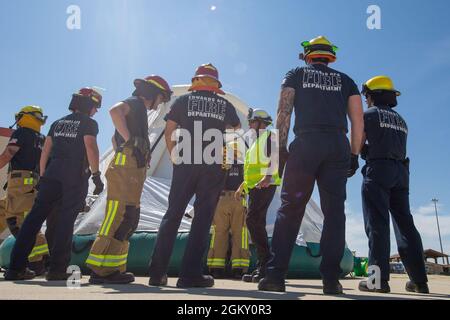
439	229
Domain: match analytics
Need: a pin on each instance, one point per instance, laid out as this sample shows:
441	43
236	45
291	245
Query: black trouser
258	203
51	193
386	189
205	182
325	158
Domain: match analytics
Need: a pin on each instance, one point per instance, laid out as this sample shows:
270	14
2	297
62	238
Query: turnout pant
323	157
205	182
259	201
67	195
386	189
229	219
20	196
109	252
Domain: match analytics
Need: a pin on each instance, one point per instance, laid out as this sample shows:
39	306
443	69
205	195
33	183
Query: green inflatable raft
304	263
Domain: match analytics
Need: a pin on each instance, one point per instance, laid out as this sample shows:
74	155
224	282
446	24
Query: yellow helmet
380	83
34	111
319	47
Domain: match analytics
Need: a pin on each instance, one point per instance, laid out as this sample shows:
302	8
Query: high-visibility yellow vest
257	164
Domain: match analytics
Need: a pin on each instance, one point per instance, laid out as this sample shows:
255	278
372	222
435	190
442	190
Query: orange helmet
208	71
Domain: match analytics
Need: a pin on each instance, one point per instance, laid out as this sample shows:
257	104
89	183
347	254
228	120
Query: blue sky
253	43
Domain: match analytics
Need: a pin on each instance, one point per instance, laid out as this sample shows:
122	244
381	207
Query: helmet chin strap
17	121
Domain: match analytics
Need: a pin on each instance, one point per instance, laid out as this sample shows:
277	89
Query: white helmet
259	115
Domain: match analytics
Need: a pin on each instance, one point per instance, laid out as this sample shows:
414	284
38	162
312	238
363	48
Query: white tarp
156	190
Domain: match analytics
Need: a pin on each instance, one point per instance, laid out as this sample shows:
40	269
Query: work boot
254	277
332	287
200	282
57	276
115	278
385	288
158	281
267	284
217	273
237	273
412	286
259	275
37	267
12	275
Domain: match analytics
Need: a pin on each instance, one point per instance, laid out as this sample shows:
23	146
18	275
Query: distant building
432	267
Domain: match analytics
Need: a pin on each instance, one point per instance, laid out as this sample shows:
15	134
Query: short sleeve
18	139
91	128
232	118
175	112
291	79
51	132
352	88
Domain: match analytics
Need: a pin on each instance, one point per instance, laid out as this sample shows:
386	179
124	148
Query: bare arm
7	155
356	115
45	155
284	113
93	155
171	126
118	115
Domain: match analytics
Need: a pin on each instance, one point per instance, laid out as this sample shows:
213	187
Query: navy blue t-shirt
30	145
205	108
68	153
321	97
387	134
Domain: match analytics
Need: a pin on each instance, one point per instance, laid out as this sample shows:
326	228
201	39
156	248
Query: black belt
386	159
320	130
405	162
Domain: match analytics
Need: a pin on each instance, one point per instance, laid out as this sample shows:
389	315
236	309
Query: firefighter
385	188
69	151
230	219
259	187
322	98
22	154
201	112
126	175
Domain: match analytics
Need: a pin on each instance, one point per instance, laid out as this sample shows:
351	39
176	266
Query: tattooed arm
285	108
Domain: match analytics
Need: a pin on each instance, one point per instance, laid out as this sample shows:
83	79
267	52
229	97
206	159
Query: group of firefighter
48	180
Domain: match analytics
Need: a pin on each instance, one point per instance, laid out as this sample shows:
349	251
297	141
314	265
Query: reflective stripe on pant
65	196
20	197
125	184
229	219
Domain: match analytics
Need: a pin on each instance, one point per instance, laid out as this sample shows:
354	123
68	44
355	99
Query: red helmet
91	93
158	82
208	71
